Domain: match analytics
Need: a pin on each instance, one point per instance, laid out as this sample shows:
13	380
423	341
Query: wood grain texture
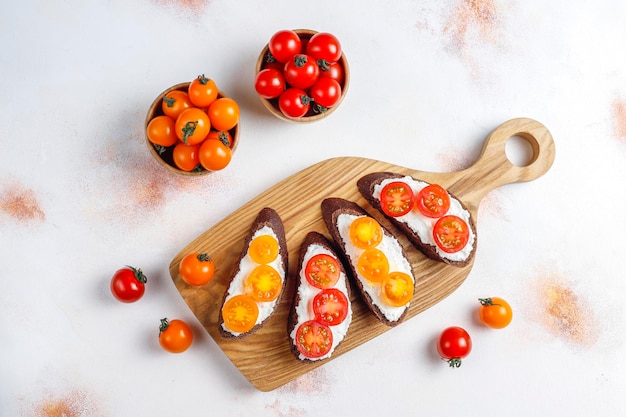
264	358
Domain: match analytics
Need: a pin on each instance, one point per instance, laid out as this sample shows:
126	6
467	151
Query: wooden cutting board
264	358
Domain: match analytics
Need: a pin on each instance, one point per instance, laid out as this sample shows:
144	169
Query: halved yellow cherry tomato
264	283
240	313
365	232
397	289
263	249
373	265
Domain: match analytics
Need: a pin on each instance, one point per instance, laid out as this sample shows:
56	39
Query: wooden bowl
165	159
311	116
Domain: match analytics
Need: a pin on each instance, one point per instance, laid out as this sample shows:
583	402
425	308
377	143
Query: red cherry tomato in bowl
301	71
324	46
453	345
495	312
128	284
175	336
269	83
284	44
326	92
294	102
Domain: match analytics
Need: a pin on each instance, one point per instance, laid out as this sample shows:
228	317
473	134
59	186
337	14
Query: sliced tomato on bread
383	274
321	311
257	282
439	224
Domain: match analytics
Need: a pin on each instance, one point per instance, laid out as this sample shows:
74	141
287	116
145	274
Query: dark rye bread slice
366	186
266	217
312	238
331	209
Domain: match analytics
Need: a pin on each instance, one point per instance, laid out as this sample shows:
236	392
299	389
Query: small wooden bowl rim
307	33
156	110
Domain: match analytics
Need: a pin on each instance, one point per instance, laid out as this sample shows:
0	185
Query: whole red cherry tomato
284	44
301	71
128	284
324	46
453	345
333	70
269	83
294	102
326	92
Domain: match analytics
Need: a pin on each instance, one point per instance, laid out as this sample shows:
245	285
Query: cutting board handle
493	168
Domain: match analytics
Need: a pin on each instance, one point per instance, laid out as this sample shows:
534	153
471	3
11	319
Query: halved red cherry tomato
326	92
161	131
314	339
495	312
175	336
365	232
264	283
196	268
433	201
373	265
397	289
453	345
202	91
269	83
322	271
324	46
240	313
192	126
330	306
396	199
174	103
284	44
263	249
451	233
301	71
186	157
294	102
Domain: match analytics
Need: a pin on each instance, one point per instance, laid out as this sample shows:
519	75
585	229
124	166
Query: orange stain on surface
21	204
473	18
618	110
73	404
565	313
185	5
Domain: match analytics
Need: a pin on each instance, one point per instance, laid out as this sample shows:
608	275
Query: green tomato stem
138	274
188	130
165	323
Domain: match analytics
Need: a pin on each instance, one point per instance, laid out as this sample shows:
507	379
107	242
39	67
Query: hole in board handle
519	151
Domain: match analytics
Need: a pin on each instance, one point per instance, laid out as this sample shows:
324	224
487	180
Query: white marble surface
80	197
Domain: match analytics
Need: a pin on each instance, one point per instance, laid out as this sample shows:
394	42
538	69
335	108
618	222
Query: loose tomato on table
294	102
330	306
432	201
161	131
322	271
215	154
174	103
202	91
396	199
451	233
269	83
301	71
326	92
454	344
495	312
314	339
223	114
284	44
193	126
128	284
175	336
324	46
240	313
196	268
186	157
